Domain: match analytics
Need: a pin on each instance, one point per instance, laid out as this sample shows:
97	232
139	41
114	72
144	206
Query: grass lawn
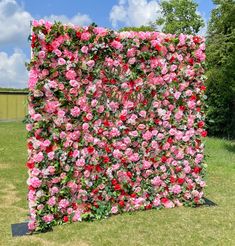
177	226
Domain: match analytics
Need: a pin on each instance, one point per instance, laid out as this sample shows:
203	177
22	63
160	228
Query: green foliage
180	16
221	69
138	29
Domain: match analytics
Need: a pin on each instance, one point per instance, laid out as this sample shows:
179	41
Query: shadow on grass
230	146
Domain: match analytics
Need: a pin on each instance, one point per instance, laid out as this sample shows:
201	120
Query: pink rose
71	74
61	61
34	182
75	111
90	63
147	135
64	203
48	218
84	49
117	45
85	36
41	54
114	209
38	157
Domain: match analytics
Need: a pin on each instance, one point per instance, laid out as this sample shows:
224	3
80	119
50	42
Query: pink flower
51	201
38	157
48	218
143	113
156	181
61	61
75	111
85	36
41	54
114	209
147	135
84	49
71	74
176	189
64	203
117	45
90	63
34	182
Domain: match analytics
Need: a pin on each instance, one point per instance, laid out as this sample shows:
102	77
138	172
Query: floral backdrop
115	122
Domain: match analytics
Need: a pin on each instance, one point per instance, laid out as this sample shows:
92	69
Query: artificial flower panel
115	122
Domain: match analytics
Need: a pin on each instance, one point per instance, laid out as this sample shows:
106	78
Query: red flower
90	149
164	200
114	182
133	195
106	123
98	168
196	169
172	59
117	187
129	174
196	40
149	206
203	88
106	159
121	203
170	140
30	146
191	61
204	133
74	205
158	47
65	219
182	108
172	179
164	159
201	124
122	117
30	165
107	149
180	181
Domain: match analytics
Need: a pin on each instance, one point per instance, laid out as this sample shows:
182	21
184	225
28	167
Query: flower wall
115	122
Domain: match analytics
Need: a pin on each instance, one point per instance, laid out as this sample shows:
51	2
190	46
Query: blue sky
15	16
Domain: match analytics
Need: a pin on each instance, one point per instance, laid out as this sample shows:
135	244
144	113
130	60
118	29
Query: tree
138	29
180	16
221	69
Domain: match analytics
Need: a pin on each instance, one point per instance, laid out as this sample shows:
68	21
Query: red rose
90	149
30	165
203	88
178	169
117	187
193	98
172	179
114	182
106	123
196	40
164	159
197	170
30	146
170	140
129	174
74	205
107	149
98	168
180	181
133	195
182	108
156	121
158	48
204	133
172	59
164	200
191	61
65	219
122	117
106	159
121	203
201	124
148	206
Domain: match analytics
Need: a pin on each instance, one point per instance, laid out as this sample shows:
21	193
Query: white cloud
12	69
203	30
78	19
15	22
134	12
14	31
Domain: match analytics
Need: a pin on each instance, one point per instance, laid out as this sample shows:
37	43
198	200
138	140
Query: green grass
178	226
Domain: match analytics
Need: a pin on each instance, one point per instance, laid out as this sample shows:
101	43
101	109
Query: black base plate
20	229
209	202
